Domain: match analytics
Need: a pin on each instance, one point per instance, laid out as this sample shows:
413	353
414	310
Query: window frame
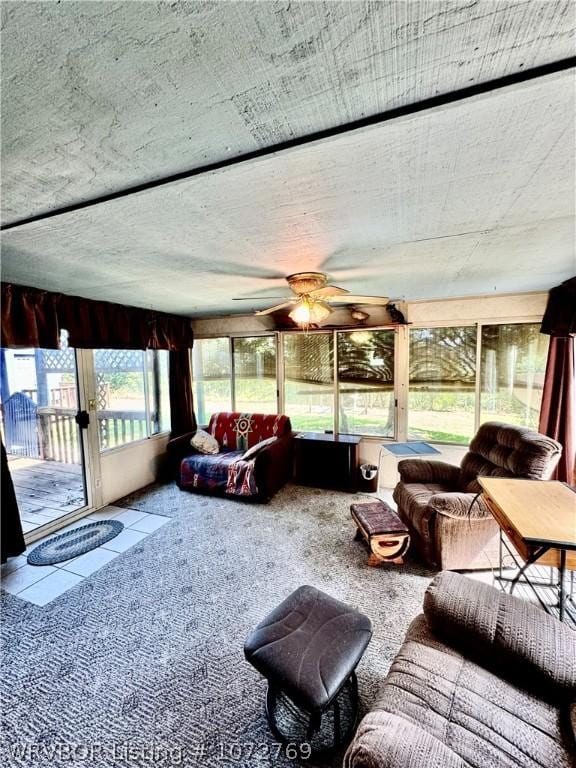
479	371
401	365
273	335
282	380
460	323
232	376
370	329
477	378
147	405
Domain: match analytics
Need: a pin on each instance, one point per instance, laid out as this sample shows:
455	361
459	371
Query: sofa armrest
385	740
273	465
467	506
180	446
422	471
515	638
177	449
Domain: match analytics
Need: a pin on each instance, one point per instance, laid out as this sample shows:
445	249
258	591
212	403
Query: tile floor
42	584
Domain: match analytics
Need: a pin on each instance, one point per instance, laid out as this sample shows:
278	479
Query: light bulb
301	313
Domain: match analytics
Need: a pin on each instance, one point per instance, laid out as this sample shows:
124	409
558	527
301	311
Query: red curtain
558	412
182	417
29	318
34	318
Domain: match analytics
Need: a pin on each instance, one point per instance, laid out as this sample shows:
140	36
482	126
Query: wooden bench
382	530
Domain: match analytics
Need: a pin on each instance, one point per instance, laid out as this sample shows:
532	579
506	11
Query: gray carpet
148	650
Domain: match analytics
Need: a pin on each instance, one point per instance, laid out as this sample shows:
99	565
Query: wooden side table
538	517
326	460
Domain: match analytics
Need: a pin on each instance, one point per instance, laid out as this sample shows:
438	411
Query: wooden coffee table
539	518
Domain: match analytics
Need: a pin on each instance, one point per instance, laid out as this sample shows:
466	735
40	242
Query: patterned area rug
73	543
146	654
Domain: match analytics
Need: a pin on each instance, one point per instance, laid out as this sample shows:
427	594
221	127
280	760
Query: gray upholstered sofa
483	680
434	498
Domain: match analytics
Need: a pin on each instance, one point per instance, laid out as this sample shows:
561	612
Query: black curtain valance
560	315
34	318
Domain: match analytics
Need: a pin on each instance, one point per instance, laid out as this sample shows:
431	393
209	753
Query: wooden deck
45	490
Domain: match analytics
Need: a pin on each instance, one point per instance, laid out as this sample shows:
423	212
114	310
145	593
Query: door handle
82	419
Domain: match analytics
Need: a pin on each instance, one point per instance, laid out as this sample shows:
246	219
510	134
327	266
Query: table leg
562	573
536	555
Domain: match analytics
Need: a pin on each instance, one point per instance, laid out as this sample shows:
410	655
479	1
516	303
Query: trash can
368	478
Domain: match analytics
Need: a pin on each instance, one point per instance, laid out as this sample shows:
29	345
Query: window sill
132	443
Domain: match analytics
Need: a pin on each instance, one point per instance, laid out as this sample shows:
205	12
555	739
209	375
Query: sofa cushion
503	450
209	473
385	740
467	506
513	637
255	450
483	719
424	471
239	431
204	442
412	499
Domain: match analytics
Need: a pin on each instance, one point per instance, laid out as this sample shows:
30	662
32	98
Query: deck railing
119	427
57	434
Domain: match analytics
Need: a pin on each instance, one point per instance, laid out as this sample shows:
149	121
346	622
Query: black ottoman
308	648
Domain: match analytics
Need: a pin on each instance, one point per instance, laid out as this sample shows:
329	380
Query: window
309	380
345	379
212	377
132	395
366	382
442	380
512	374
255	374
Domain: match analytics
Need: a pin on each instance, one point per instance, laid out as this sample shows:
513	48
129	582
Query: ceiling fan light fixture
306	313
301	313
305	282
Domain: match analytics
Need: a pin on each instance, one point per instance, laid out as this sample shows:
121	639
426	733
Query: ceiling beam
382	117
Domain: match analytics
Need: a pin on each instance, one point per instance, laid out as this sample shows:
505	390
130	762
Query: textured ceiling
459	200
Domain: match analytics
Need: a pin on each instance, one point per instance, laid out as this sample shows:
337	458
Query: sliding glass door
40	413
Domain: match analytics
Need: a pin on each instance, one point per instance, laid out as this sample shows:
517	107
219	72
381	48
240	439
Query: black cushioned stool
308	648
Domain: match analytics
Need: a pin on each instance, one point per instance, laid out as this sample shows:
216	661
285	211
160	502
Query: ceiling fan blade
350	299
276	308
256	298
327	291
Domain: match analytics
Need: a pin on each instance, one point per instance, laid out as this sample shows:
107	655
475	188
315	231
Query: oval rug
67	545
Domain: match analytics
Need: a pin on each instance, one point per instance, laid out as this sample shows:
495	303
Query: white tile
52	586
12	564
26	576
130	516
64	563
91	561
149	523
107	513
125	540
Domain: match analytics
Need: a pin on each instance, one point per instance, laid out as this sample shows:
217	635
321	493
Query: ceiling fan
313	297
